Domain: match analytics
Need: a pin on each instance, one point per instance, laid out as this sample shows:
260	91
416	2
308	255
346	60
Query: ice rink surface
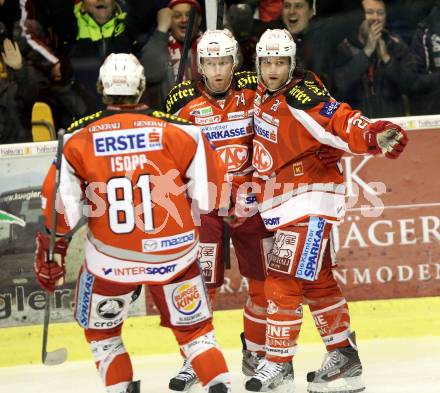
390	366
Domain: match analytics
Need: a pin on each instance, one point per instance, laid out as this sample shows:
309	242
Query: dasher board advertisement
23	168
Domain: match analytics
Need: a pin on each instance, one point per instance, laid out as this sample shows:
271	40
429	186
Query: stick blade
55	357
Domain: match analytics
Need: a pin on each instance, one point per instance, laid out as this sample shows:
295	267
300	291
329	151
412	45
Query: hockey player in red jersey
135	172
300	199
221	103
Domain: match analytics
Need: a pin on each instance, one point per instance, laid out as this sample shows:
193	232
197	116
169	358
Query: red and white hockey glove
47	272
329	155
385	137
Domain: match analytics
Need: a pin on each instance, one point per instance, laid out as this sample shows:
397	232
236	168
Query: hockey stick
186	45
59	355
220	11
226	228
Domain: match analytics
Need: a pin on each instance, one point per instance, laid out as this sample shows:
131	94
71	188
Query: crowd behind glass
382	57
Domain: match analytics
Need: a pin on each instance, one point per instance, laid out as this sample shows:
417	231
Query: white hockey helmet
217	43
276	43
121	74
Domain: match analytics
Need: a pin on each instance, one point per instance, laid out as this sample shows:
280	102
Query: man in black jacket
371	66
425	99
78	35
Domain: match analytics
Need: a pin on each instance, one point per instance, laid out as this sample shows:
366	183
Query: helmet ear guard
121	74
276	43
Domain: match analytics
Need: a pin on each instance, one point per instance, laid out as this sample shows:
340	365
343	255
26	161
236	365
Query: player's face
217	72
374	12
274	71
180	21
296	15
100	10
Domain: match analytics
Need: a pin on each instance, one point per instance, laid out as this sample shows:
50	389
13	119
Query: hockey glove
49	272
385	137
329	155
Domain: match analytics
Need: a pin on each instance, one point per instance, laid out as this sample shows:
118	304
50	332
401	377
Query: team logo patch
329	108
186	299
298	169
283	252
234	156
110	308
207	256
262	160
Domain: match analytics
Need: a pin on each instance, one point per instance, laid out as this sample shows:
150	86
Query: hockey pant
252	244
102	307
300	270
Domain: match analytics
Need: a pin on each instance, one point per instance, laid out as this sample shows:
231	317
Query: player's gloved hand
329	155
48	272
385	137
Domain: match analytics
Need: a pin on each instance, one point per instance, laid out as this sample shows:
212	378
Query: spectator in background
99	28
262	10
161	54
50	83
403	16
78	36
371	66
425	97
315	37
14	122
246	32
269	10
9	14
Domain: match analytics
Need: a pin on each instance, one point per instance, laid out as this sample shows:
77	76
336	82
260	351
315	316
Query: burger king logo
186	299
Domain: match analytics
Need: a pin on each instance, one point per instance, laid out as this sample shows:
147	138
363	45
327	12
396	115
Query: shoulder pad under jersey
245	80
308	93
169	118
80	123
180	95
